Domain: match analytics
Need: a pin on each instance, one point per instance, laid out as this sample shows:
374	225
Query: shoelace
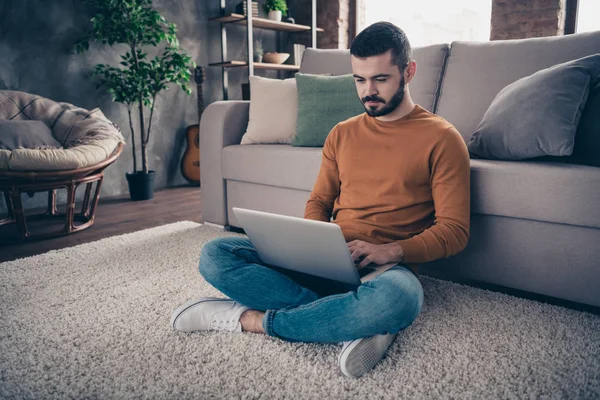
223	325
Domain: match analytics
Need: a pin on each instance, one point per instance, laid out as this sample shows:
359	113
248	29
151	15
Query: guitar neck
200	101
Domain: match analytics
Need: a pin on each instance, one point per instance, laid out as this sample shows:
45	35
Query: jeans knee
406	301
219	257
207	266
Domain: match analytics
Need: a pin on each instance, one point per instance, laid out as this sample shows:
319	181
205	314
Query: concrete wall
36	39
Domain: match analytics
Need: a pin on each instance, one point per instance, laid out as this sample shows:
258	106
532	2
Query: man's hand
375	253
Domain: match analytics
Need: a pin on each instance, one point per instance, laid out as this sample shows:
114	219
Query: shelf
257	65
263	23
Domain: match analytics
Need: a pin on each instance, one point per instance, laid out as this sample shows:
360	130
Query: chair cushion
554	97
541	191
26	135
273	164
88	137
76	157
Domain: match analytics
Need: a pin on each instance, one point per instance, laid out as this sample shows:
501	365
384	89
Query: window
434	21
588	12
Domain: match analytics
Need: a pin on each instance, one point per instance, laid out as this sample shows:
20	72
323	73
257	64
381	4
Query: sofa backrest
424	89
477	71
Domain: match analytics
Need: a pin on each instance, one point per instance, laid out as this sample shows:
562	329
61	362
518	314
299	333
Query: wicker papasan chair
46	146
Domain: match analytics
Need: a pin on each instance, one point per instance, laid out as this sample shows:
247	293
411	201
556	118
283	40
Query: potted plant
276	9
258	51
139	79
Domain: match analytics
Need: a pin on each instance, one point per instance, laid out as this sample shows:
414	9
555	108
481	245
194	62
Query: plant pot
258	58
141	185
275	15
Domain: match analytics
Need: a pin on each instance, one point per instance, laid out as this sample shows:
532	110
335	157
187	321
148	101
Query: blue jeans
386	304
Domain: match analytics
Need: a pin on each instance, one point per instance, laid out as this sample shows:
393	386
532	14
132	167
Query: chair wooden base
84	218
14	184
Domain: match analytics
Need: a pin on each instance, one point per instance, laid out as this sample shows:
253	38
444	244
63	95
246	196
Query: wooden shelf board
236	63
229	64
263	23
283	67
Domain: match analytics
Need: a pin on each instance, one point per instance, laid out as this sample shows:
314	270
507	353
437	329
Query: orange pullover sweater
406	180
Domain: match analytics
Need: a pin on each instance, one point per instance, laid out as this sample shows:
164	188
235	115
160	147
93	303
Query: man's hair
379	38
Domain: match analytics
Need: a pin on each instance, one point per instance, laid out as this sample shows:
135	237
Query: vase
275	15
141	185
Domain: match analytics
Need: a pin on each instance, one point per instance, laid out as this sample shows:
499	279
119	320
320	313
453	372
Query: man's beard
389	106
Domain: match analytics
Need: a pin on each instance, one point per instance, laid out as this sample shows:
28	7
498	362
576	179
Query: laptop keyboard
365	271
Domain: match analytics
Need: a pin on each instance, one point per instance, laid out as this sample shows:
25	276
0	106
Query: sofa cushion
541	191
323	102
273	164
477	71
273	111
537	115
587	138
320	61
423	88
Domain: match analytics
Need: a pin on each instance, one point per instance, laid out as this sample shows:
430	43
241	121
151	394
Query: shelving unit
257	65
255	22
263	23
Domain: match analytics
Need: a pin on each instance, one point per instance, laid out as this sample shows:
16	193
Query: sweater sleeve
327	187
450	186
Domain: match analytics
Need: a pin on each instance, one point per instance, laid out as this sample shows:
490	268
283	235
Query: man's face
379	83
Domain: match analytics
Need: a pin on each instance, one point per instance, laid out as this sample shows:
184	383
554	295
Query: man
396	180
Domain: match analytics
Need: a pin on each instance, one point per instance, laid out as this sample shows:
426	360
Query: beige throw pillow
273	111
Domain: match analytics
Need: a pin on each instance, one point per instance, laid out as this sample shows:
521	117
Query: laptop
310	247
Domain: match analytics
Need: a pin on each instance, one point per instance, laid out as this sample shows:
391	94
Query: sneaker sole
187	305
365	353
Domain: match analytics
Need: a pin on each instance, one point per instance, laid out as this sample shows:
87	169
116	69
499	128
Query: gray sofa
535	226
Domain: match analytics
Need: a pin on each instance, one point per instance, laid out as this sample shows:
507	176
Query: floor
116	216
120	215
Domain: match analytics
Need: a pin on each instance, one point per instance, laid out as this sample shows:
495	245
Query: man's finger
366	261
357	255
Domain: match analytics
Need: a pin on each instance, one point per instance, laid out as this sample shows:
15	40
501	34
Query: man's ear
410	71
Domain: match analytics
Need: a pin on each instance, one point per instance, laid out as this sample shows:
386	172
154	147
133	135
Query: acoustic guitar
190	163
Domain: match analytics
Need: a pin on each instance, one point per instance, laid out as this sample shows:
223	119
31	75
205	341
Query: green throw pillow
323	101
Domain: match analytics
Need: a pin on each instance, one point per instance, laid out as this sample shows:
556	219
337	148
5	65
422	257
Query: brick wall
518	19
336	17
511	19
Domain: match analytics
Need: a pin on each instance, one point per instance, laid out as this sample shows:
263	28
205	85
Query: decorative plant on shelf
139	79
276	8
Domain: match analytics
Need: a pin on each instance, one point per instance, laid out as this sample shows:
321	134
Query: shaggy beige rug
92	321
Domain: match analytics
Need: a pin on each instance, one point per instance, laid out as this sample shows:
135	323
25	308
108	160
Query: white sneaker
208	314
361	355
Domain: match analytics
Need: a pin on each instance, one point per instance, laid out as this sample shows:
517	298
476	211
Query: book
298	51
242	9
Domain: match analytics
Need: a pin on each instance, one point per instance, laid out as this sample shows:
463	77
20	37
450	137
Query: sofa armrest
223	124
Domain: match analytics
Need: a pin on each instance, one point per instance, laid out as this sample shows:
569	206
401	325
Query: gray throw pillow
537	115
16	134
323	101
587	139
